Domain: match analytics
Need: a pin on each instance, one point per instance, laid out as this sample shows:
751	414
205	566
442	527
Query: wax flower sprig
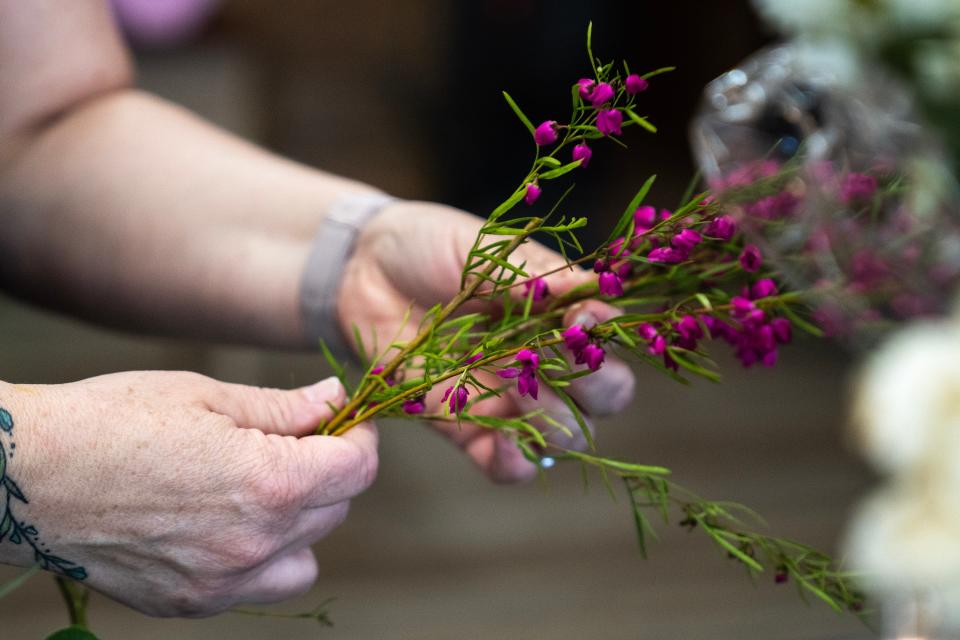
682	278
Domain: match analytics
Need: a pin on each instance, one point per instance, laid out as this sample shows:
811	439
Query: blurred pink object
162	23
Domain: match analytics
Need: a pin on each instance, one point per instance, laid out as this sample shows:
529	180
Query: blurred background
406	96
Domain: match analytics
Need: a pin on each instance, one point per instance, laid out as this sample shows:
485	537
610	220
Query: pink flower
857	188
689	329
414	406
528	357
658	346
576	338
782	330
583	153
609	122
750	258
390	380
585	86
722	228
477	356
686	240
526	375
644	217
611	284
742	307
601	94
666	255
457	395
593	356
647	331
539	288
635	84
546	133
533	192
763	289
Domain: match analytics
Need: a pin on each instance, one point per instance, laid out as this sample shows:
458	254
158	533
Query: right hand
181	495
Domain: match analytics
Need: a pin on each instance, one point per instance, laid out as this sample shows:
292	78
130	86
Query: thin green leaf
519	113
508	204
643	122
627	217
657	72
11	586
800	322
556	173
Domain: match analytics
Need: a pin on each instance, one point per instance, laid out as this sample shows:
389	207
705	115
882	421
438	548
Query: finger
288	575
610	389
314	524
538	259
569	435
331	469
499	458
295	412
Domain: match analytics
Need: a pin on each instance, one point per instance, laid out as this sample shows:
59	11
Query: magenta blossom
635	84
647	331
456	398
526	374
722	228
750	258
585	87
593	356
414	406
546	133
474	358
583	153
644	217
533	193
539	288
390	380
611	284
689	330
686	240
609	122
763	289
857	188
601	95
667	255
575	338
782	330
658	346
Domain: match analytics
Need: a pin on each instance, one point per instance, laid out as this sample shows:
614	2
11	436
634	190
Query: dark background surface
406	95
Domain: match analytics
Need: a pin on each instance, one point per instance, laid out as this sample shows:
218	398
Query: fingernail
329	390
586	319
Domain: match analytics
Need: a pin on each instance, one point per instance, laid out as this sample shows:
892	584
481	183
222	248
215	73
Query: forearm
131	211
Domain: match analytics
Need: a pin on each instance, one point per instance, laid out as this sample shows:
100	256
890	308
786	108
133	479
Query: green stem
340	423
76	597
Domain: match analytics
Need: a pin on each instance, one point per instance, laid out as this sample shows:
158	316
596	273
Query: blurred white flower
908	399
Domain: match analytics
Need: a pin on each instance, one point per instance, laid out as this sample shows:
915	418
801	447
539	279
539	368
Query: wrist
322	288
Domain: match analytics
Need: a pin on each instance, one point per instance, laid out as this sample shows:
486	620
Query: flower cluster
526	373
585	350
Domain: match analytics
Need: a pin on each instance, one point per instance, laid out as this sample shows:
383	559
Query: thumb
294	412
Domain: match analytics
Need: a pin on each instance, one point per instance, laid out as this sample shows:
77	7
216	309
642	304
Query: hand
415	252
181	495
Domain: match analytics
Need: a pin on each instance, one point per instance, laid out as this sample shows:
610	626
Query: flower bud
546	133
583	153
609	122
601	94
635	84
533	193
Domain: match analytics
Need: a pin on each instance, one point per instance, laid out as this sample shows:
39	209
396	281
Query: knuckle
240	556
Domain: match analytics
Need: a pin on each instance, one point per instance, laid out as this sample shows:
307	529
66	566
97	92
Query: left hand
414	252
